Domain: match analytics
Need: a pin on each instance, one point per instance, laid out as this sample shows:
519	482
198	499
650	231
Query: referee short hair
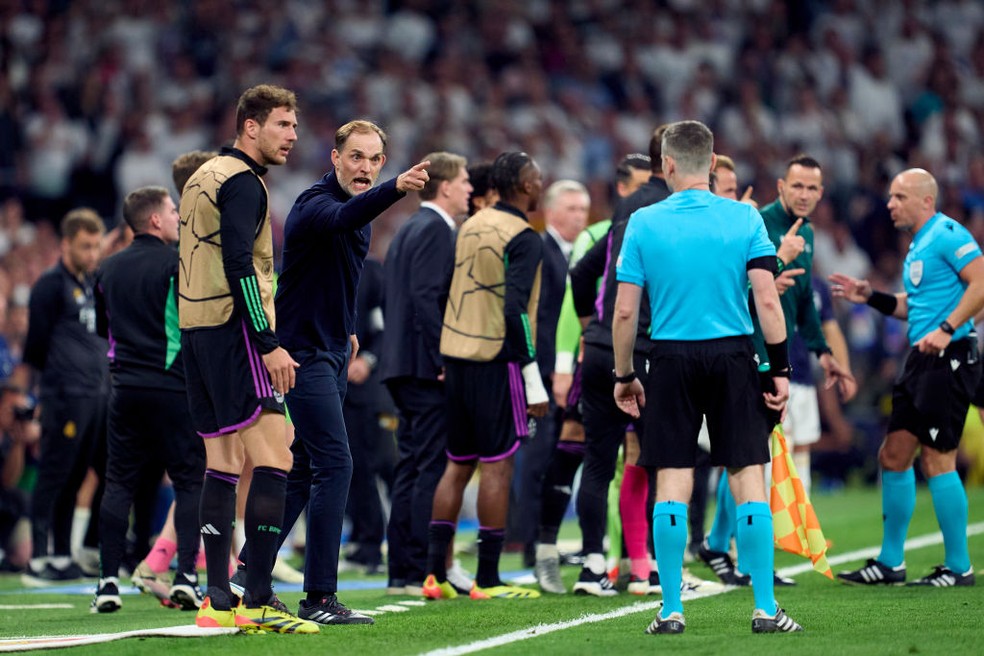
443	166
140	204
691	145
81	219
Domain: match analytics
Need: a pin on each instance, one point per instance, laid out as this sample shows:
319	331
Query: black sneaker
778	623
107	599
331	611
778	580
185	593
590	583
722	566
50	575
672	624
238	581
944	577
875	573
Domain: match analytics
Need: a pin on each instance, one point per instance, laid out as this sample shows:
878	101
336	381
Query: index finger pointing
793	229
420	166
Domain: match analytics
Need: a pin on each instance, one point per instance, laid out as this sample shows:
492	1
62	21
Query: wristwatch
947	328
627	378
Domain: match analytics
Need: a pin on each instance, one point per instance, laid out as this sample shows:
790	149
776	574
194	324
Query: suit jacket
369	329
417	275
553	284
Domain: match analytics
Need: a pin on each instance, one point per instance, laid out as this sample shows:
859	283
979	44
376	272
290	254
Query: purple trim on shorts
261	380
630	428
501	456
600	298
455	458
232	429
279	473
574	448
517	395
441	522
222	476
111	353
574	393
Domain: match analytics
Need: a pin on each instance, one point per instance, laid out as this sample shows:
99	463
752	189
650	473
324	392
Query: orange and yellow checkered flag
797	529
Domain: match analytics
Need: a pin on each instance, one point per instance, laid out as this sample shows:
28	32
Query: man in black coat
417	272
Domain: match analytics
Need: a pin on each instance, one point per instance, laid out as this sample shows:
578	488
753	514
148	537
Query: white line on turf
543	629
35	606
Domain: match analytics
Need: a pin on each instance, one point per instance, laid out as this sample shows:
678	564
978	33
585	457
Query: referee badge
915	272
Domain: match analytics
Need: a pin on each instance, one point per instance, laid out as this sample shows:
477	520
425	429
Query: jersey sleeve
958	247
629	267
759	245
243	207
523	255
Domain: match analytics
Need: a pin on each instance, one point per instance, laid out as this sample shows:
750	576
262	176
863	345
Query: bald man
944	288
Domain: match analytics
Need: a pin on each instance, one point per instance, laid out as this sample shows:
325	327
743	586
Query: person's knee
935	463
894	457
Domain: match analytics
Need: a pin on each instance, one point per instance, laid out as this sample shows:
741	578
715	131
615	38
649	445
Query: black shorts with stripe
688	380
486	409
933	393
228	385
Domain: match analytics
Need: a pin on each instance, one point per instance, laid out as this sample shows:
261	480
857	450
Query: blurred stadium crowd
97	97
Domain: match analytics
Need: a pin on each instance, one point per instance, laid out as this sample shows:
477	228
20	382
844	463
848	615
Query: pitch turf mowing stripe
543	629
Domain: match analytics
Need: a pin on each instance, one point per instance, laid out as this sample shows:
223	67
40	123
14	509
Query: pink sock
161	555
632	507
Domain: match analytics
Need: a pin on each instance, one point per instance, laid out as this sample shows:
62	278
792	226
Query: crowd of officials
461	323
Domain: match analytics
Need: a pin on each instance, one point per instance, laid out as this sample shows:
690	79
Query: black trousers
421	443
70	428
147	427
604	430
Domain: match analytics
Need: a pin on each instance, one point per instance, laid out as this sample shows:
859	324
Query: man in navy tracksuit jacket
326	239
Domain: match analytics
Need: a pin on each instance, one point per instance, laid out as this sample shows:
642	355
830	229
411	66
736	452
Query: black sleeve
102	316
44	309
242	202
370	309
585	274
523	255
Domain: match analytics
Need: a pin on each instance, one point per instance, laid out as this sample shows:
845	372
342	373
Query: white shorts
802	425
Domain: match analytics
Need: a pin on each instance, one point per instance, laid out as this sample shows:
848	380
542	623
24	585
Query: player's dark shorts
572	412
717	378
228	386
932	395
486	409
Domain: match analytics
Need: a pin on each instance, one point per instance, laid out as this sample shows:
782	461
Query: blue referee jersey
931	274
690	253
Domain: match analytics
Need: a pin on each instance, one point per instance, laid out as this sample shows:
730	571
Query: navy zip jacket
326	240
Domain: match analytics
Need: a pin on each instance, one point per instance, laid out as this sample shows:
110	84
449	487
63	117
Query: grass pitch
838	619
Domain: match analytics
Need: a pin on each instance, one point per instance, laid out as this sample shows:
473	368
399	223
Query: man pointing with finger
326	239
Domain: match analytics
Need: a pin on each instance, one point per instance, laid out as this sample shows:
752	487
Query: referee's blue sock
670	541
898	504
754	536
722	530
950	504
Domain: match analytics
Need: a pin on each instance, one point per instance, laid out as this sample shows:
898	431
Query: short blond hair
81	219
358	126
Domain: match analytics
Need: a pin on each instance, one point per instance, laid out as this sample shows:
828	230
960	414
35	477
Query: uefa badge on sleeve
916	272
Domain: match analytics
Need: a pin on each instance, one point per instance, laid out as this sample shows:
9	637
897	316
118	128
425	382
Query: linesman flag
797	529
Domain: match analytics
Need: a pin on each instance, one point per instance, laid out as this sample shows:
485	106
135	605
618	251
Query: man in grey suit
417	273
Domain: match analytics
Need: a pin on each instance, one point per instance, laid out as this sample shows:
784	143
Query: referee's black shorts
690	379
486	409
228	385
933	393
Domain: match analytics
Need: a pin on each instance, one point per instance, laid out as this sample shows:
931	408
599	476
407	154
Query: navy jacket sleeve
44	308
585	274
243	205
432	263
523	255
102	315
321	213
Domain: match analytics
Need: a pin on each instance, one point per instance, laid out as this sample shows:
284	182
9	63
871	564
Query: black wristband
778	359
627	378
947	328
884	303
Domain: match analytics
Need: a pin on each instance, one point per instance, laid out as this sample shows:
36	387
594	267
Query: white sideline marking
393	608
543	629
35	606
412	602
